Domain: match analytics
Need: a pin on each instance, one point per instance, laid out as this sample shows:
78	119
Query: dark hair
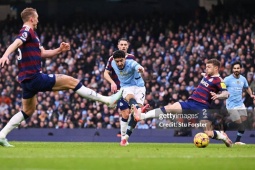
119	54
122	39
236	63
215	62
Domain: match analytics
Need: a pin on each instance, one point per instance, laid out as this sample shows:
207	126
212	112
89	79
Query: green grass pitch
141	156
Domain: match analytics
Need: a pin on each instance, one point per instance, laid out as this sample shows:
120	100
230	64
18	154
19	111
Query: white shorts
236	112
138	92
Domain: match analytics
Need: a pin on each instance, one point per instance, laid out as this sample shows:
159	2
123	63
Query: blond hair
214	62
27	13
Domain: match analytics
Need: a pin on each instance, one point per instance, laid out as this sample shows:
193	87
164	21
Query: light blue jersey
235	88
129	76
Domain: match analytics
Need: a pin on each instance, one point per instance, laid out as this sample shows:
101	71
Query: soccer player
112	78
33	80
131	81
235	84
207	90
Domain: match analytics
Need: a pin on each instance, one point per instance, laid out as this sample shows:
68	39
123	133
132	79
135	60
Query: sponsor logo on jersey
204	83
24	36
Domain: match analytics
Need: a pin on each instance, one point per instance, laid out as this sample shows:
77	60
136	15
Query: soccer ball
201	140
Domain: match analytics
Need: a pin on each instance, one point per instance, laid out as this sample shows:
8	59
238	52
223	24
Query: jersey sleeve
135	65
109	64
245	85
24	35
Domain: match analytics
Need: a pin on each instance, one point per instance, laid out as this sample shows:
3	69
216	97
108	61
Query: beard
236	73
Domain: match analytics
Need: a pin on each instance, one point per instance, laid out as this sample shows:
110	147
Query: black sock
24	115
214	135
78	86
132	101
163	110
240	132
131	125
231	126
239	135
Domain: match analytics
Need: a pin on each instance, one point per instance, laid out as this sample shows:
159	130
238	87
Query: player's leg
135	97
124	112
235	120
155	113
64	82
215	134
238	118
29	106
241	128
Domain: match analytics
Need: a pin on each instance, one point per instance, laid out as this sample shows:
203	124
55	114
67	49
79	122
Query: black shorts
41	83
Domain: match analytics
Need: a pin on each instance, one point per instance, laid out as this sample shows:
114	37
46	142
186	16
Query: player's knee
72	82
243	118
125	113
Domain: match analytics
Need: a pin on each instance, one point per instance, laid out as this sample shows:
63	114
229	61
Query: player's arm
50	53
110	80
10	50
223	88
249	91
138	67
223	95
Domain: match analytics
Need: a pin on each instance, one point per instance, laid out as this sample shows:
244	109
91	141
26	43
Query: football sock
91	94
214	135
219	136
155	113
123	126
131	125
240	131
231	126
132	101
13	123
239	136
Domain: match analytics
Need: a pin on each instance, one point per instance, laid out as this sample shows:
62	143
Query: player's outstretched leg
220	135
136	113
110	101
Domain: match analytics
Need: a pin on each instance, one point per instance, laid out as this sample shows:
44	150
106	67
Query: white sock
123	128
91	94
126	137
13	123
149	114
220	136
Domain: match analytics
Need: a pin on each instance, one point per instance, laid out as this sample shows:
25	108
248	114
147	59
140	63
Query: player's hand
253	97
203	74
113	87
140	70
64	47
214	96
4	60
